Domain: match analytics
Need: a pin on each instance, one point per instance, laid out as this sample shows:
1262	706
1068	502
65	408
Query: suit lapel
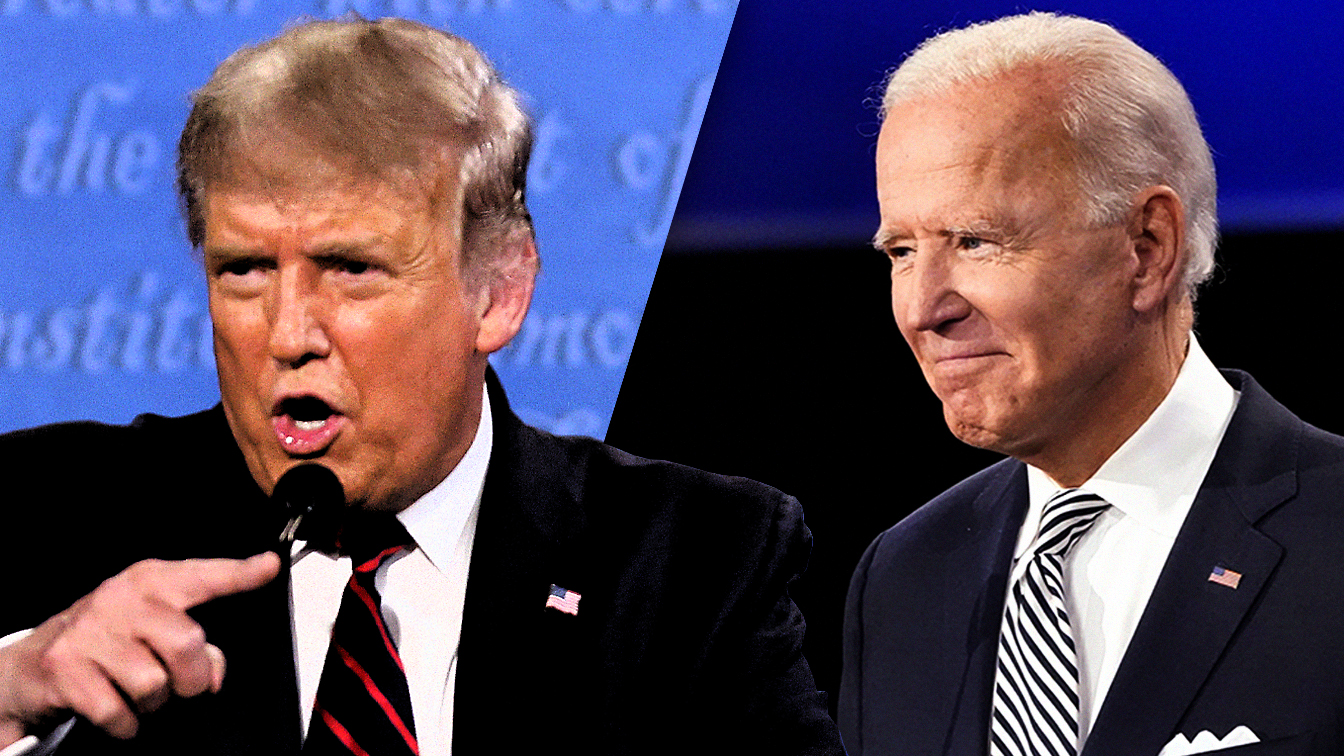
997	516
513	650
1189	620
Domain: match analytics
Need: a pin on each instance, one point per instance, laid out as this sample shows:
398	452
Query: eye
353	267
346	265
355	274
979	247
898	254
237	267
902	258
240	274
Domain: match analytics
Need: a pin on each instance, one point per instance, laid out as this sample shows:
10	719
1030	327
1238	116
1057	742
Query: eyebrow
982	227
230	252
883	236
349	249
985	226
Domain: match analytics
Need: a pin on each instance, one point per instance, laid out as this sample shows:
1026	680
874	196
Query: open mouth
309	412
306	425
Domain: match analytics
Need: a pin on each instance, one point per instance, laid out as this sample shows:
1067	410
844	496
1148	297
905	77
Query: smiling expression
344	333
1017	309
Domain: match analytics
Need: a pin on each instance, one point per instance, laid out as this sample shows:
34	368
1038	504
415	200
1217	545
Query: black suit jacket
924	609
685	641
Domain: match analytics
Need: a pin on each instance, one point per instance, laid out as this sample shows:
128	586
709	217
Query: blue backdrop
1265	79
102	304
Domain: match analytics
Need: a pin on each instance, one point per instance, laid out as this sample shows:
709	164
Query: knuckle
146	681
105	713
59	657
111	592
187	640
194	635
116	591
145	572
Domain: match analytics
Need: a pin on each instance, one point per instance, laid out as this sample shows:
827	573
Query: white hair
1131	121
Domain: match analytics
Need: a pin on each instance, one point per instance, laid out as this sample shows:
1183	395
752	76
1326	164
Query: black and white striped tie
1036	690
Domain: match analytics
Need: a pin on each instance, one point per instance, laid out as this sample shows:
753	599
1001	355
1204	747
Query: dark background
785	366
768	348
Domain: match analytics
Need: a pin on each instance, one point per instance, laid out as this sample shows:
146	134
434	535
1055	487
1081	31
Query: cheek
239	326
405	358
898	308
1024	314
228	355
240	341
231	346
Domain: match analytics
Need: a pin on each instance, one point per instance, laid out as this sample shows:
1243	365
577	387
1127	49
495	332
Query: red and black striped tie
363	704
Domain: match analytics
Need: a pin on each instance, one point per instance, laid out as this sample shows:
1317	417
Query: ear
1157	236
507	295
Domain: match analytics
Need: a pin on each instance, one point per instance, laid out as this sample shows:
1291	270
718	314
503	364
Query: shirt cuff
32	745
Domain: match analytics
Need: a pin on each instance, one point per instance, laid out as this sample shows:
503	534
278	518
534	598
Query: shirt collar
436	519
1155	474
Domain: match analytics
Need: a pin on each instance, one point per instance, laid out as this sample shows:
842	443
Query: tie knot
1065	519
371	537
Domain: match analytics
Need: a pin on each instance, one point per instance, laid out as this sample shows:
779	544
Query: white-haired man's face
1019	312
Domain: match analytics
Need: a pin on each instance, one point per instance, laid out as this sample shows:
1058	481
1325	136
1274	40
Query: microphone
312	499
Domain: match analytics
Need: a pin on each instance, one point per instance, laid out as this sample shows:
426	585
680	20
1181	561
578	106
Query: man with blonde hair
357	192
1153	569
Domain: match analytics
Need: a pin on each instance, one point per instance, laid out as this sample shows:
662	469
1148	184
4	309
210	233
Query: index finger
195	581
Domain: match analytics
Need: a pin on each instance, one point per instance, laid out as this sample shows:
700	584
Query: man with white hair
1155	568
356	189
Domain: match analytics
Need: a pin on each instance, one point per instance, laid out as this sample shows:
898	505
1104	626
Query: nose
298	333
925	296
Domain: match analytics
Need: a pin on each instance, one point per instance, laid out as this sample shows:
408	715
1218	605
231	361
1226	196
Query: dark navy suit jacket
686	640
924	608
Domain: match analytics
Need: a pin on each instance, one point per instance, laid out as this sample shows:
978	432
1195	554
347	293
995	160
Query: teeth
309	425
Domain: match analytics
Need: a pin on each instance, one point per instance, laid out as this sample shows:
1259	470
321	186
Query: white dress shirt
423	591
1150	483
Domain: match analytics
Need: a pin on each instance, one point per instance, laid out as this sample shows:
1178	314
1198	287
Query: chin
977	437
976	431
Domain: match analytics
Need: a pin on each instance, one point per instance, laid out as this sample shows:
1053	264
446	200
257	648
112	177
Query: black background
786	366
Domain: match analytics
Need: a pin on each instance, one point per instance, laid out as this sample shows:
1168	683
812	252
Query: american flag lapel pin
1223	576
564	600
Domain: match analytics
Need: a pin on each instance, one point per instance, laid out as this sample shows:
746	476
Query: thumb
216	667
